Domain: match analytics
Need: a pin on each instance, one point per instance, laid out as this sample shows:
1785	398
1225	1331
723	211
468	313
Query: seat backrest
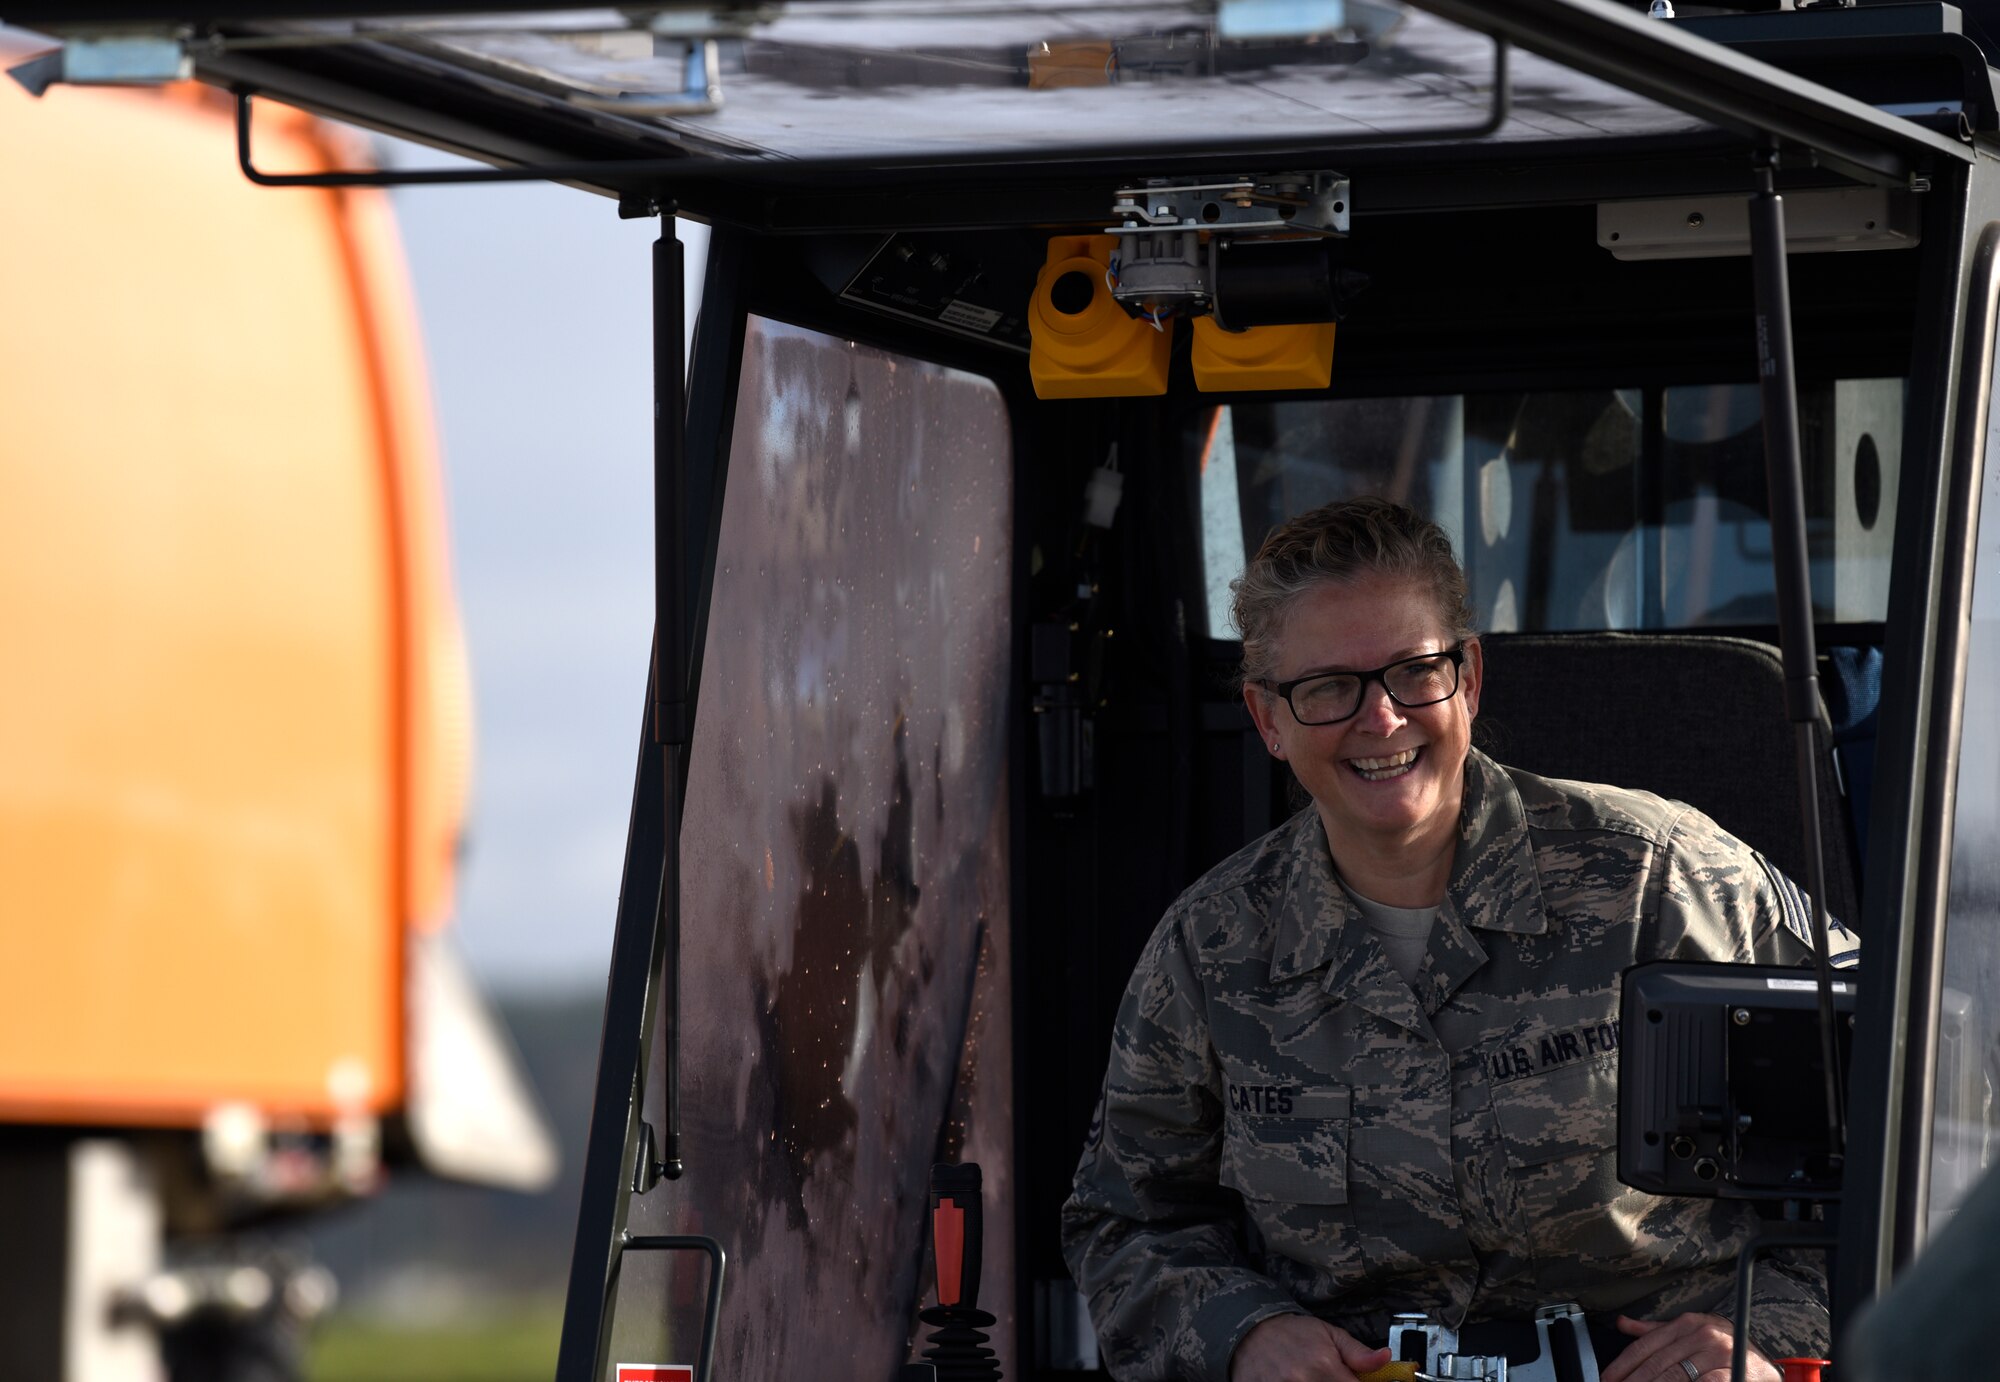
1696	718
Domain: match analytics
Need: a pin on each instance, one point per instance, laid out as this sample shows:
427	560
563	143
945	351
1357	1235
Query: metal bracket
1569	1314
1415	1336
138	59
700	93
1160	269
1279	203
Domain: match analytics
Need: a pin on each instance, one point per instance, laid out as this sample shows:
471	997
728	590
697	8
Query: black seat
1696	718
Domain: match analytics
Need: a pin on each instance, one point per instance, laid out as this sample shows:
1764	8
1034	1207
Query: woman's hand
1299	1348
1665	1350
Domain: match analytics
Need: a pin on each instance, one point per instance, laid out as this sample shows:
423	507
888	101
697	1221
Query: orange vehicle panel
232	726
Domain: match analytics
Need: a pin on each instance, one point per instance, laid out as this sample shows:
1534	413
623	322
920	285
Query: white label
1805	985
961	313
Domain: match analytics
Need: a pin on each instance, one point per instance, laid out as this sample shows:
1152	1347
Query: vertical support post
645	953
615	1152
1784	475
1966	486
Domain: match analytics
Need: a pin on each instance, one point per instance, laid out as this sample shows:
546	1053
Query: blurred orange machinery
235	725
234	721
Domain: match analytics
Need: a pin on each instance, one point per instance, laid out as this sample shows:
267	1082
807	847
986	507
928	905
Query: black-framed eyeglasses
1327	698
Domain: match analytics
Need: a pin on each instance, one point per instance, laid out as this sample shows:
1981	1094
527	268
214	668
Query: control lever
958	1346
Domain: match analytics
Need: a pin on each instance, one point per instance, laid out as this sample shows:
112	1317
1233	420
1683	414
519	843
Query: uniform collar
1493	880
1493	888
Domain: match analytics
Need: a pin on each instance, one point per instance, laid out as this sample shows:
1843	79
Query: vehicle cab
1021	327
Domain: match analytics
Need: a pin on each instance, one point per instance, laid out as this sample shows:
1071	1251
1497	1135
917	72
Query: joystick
957	1343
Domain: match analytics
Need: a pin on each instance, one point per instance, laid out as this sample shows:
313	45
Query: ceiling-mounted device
1171	232
1246	259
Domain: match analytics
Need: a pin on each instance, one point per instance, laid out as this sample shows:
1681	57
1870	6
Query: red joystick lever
1802	1369
958	1347
956	1233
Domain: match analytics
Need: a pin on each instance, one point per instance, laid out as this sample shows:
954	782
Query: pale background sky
536	312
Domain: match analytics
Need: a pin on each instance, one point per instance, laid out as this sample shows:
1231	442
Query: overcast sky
536	316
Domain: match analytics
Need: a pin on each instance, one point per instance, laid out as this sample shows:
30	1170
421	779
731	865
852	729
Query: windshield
1581	509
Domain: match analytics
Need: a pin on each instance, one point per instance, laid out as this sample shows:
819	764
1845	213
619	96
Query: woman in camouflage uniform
1368	1064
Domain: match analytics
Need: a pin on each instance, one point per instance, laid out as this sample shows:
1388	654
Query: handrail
711	1315
1271	152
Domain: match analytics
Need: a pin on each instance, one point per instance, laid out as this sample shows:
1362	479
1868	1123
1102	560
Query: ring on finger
1693	1372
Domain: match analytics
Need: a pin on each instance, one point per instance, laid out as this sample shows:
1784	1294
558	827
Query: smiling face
1388	782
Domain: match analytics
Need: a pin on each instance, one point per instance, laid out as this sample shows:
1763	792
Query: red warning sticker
655	1372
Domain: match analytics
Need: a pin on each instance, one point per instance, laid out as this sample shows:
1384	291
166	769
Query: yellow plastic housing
1263	357
1098	352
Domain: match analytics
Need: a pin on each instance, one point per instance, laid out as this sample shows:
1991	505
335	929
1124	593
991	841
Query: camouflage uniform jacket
1288	1126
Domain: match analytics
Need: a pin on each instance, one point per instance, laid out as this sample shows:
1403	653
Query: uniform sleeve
1150	1235
1721	900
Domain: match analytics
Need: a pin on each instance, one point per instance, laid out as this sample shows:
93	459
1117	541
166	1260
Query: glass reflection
1963	1126
1584	509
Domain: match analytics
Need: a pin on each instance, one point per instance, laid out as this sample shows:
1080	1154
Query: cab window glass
1964	1136
845	986
1578	509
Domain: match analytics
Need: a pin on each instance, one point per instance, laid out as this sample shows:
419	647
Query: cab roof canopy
819	115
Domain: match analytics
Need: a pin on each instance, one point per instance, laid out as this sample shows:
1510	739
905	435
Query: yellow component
1388	1372
1263	357
1093	349
1058	64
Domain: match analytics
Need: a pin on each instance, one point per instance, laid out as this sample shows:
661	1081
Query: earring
1274	746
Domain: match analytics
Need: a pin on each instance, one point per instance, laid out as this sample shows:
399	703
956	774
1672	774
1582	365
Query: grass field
516	1347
